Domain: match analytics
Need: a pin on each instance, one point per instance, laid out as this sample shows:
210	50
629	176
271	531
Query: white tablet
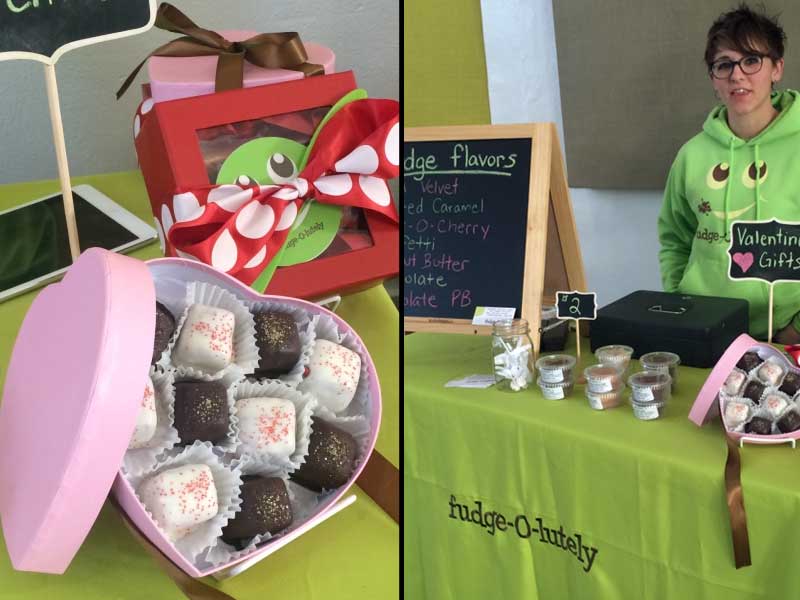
34	246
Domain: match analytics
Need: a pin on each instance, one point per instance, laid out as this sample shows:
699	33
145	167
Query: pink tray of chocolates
756	389
232	430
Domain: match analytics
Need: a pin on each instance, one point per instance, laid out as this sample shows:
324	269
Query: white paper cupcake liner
304	405
356	426
222	552
230	380
165	437
245	351
227	480
306	333
325	328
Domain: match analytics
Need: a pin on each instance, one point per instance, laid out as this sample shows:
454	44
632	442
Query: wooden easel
552	254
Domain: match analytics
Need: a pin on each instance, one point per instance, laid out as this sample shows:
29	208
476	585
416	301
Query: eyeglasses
751	64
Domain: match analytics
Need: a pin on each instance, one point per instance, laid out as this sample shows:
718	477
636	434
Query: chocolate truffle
749	361
278	343
789	422
759	425
146	420
733	383
165	327
753	390
331	458
770	373
266	426
201	411
332	376
265	509
180	499
206	339
791	383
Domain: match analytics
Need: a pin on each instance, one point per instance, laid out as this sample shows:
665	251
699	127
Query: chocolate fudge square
749	361
789	422
265	509
754	390
331	458
791	383
165	327
278	343
201	411
759	425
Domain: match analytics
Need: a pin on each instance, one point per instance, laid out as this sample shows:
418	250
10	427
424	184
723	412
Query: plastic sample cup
601	378
662	362
615	355
556	391
650	392
556	368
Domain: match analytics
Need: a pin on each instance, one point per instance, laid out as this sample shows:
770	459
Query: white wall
617	228
363	34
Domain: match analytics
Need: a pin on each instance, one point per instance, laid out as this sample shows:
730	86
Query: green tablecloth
353	555
649	496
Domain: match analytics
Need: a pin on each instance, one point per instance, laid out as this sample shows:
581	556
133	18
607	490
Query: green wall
444	79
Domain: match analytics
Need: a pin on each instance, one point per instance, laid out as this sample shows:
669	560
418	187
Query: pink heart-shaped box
708	403
71	398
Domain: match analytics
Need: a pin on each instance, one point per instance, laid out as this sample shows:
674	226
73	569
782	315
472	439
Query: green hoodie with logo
718	178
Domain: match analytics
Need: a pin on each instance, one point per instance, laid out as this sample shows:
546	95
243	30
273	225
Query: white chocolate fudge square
770	372
736	413
734	382
333	374
146	420
180	499
267	426
206	339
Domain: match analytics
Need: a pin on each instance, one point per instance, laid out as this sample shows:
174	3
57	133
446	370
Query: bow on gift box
266	50
238	229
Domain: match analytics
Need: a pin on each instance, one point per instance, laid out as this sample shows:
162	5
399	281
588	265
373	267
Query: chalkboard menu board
486	220
42	27
465	219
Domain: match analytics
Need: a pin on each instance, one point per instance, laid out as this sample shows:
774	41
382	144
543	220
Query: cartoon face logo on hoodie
719	177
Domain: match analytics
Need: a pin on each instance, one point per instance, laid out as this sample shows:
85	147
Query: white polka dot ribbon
238	229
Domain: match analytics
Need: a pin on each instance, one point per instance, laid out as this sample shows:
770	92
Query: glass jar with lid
512	355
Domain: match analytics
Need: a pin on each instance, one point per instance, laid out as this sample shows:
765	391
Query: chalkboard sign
476	215
44	29
764	250
576	305
466	215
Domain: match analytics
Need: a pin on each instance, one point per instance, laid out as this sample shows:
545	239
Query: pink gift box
173	77
71	397
708	404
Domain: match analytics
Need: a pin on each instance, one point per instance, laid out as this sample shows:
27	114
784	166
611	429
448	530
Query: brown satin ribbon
266	50
380	479
736	510
194	589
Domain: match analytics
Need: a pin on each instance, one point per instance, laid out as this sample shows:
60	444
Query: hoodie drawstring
758	184
728	187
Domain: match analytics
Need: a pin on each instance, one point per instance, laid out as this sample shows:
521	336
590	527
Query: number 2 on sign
574	307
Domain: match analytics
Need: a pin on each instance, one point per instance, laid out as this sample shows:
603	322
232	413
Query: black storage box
696	328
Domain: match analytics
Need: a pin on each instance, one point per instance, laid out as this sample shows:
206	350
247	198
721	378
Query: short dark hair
746	31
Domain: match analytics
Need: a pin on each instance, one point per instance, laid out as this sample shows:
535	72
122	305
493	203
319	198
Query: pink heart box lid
183	77
706	405
72	394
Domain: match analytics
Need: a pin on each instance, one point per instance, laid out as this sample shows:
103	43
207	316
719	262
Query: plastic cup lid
72	394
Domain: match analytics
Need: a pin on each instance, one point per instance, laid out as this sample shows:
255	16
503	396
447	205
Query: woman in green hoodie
744	165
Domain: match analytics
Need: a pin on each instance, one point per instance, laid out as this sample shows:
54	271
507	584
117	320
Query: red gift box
182	143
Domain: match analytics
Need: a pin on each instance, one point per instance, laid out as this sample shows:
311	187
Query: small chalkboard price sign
43	30
766	251
576	305
487	222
